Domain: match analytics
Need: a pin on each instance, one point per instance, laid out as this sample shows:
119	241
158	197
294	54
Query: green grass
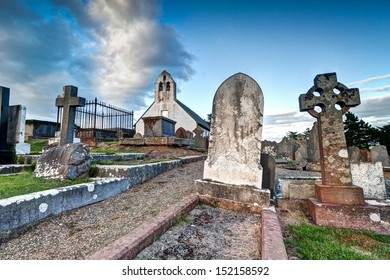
309	242
37	145
24	183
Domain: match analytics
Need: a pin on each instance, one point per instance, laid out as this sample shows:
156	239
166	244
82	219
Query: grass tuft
309	242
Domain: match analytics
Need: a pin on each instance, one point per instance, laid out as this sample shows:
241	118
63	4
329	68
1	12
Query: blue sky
115	50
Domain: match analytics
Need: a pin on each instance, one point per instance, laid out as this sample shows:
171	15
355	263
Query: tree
359	133
293	135
384	136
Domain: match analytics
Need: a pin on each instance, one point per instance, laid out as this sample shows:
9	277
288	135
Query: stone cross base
22	149
340	195
345	216
237	197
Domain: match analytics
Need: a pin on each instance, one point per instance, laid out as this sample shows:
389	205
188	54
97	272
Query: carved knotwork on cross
334	99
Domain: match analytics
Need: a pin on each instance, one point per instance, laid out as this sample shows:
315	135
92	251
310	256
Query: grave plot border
130	245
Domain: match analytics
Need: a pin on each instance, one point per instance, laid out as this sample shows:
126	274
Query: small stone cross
334	99
69	101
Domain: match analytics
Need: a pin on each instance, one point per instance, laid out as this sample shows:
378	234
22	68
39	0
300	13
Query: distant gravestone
269	166
200	140
232	169
354	154
68	101
180	133
326	94
5	153
16	129
313	150
379	154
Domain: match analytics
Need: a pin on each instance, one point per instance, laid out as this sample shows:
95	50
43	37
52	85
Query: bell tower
164	88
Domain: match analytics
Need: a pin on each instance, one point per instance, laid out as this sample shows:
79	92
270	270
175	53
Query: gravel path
78	233
208	233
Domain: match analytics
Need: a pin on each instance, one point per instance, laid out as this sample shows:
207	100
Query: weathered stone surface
355	217
340	195
66	162
68	101
244	194
380	154
286	149
16	129
236	129
354	154
370	177
334	154
269	147
313	147
180	133
159	127
137	136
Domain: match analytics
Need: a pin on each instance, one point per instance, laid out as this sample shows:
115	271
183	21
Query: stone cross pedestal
338	202
5	153
69	101
232	171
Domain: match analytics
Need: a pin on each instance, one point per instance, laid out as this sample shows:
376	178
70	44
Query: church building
166	105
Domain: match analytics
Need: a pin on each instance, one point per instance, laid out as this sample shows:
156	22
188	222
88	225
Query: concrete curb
131	244
272	244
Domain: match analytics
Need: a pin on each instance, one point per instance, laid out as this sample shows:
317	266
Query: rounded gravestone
235	136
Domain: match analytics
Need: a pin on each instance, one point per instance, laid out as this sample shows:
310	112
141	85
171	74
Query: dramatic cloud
112	49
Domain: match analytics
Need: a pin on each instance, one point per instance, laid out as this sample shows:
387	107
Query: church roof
201	122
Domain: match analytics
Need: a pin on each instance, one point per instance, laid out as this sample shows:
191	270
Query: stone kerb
22	210
122	156
137	173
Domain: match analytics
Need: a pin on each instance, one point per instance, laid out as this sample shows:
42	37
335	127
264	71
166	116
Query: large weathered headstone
5	153
68	101
338	202
66	162
313	150
233	170
16	129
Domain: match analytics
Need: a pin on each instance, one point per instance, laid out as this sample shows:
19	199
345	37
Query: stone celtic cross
334	99
69	101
